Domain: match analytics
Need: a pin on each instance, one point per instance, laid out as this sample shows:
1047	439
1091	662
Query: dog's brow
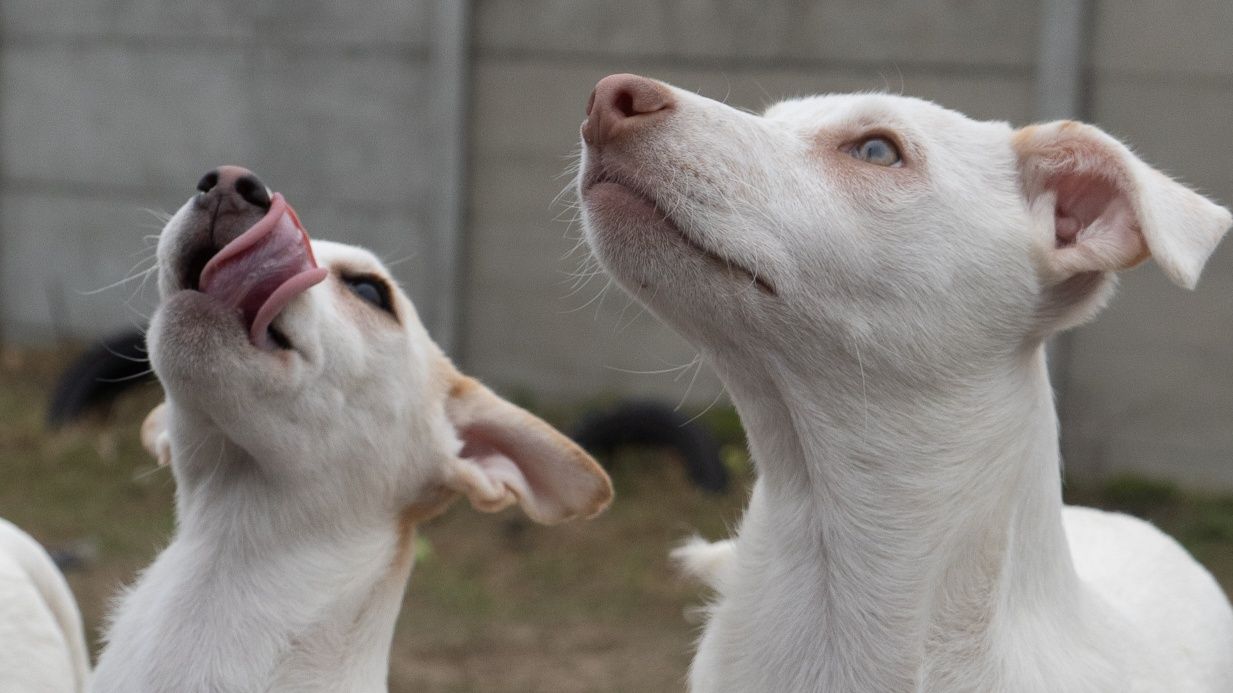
351	268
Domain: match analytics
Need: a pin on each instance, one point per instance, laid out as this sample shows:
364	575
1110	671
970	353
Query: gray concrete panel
323	23
61	253
353	130
115	117
979	35
349	130
1184	40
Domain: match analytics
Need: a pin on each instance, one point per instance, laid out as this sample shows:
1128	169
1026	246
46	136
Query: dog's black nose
229	181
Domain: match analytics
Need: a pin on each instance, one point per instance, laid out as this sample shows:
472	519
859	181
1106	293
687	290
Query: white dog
310	423
873	277
42	644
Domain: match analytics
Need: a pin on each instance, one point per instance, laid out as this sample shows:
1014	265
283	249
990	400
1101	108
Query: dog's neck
893	535
262	588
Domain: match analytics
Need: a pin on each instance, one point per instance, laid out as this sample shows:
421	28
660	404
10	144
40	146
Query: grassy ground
496	603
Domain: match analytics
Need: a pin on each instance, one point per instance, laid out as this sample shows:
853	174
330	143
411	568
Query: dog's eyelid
853	146
384	299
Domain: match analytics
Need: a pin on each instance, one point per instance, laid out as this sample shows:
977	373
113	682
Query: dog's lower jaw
623	217
857	571
201	352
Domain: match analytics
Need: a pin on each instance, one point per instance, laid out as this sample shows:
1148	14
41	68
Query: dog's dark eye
371	289
878	151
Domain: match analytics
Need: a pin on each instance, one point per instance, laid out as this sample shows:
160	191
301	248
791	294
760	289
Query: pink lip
264	269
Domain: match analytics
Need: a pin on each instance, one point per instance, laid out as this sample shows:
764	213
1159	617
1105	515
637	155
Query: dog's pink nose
235	185
623	102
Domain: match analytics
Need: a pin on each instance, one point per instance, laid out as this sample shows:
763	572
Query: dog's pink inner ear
509	455
1080	200
1067	227
1094	224
493	479
1091	190
1110	210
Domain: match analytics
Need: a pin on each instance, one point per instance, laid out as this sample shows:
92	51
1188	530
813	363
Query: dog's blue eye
367	291
877	150
371	289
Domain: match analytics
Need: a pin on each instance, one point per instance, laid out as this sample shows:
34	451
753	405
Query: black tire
96	378
653	424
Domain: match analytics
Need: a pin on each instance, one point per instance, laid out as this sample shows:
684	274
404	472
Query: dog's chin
200	349
630	228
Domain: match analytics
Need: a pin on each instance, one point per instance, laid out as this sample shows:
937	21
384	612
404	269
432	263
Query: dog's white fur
301	475
42	644
880	330
709	562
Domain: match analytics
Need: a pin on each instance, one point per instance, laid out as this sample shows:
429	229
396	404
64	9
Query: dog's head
874	220
309	364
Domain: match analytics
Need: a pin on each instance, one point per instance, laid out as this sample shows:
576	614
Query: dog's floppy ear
1110	210
509	455
154	436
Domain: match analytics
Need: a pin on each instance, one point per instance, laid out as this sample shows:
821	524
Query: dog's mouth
260	272
598	177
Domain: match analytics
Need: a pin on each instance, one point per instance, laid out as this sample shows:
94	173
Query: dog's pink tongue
263	269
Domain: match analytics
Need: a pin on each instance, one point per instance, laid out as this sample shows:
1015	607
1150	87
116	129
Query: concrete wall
111	108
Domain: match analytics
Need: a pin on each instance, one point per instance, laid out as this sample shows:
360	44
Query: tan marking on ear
460	384
1021	137
1144	255
601	499
1031	128
435	502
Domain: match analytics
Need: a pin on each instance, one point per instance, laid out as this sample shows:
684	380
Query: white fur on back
1147	577
42	646
708	562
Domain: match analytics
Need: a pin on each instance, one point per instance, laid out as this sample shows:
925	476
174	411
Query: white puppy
873	278
310	424
42	644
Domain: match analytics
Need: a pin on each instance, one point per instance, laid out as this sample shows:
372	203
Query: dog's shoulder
1156	586
42	644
